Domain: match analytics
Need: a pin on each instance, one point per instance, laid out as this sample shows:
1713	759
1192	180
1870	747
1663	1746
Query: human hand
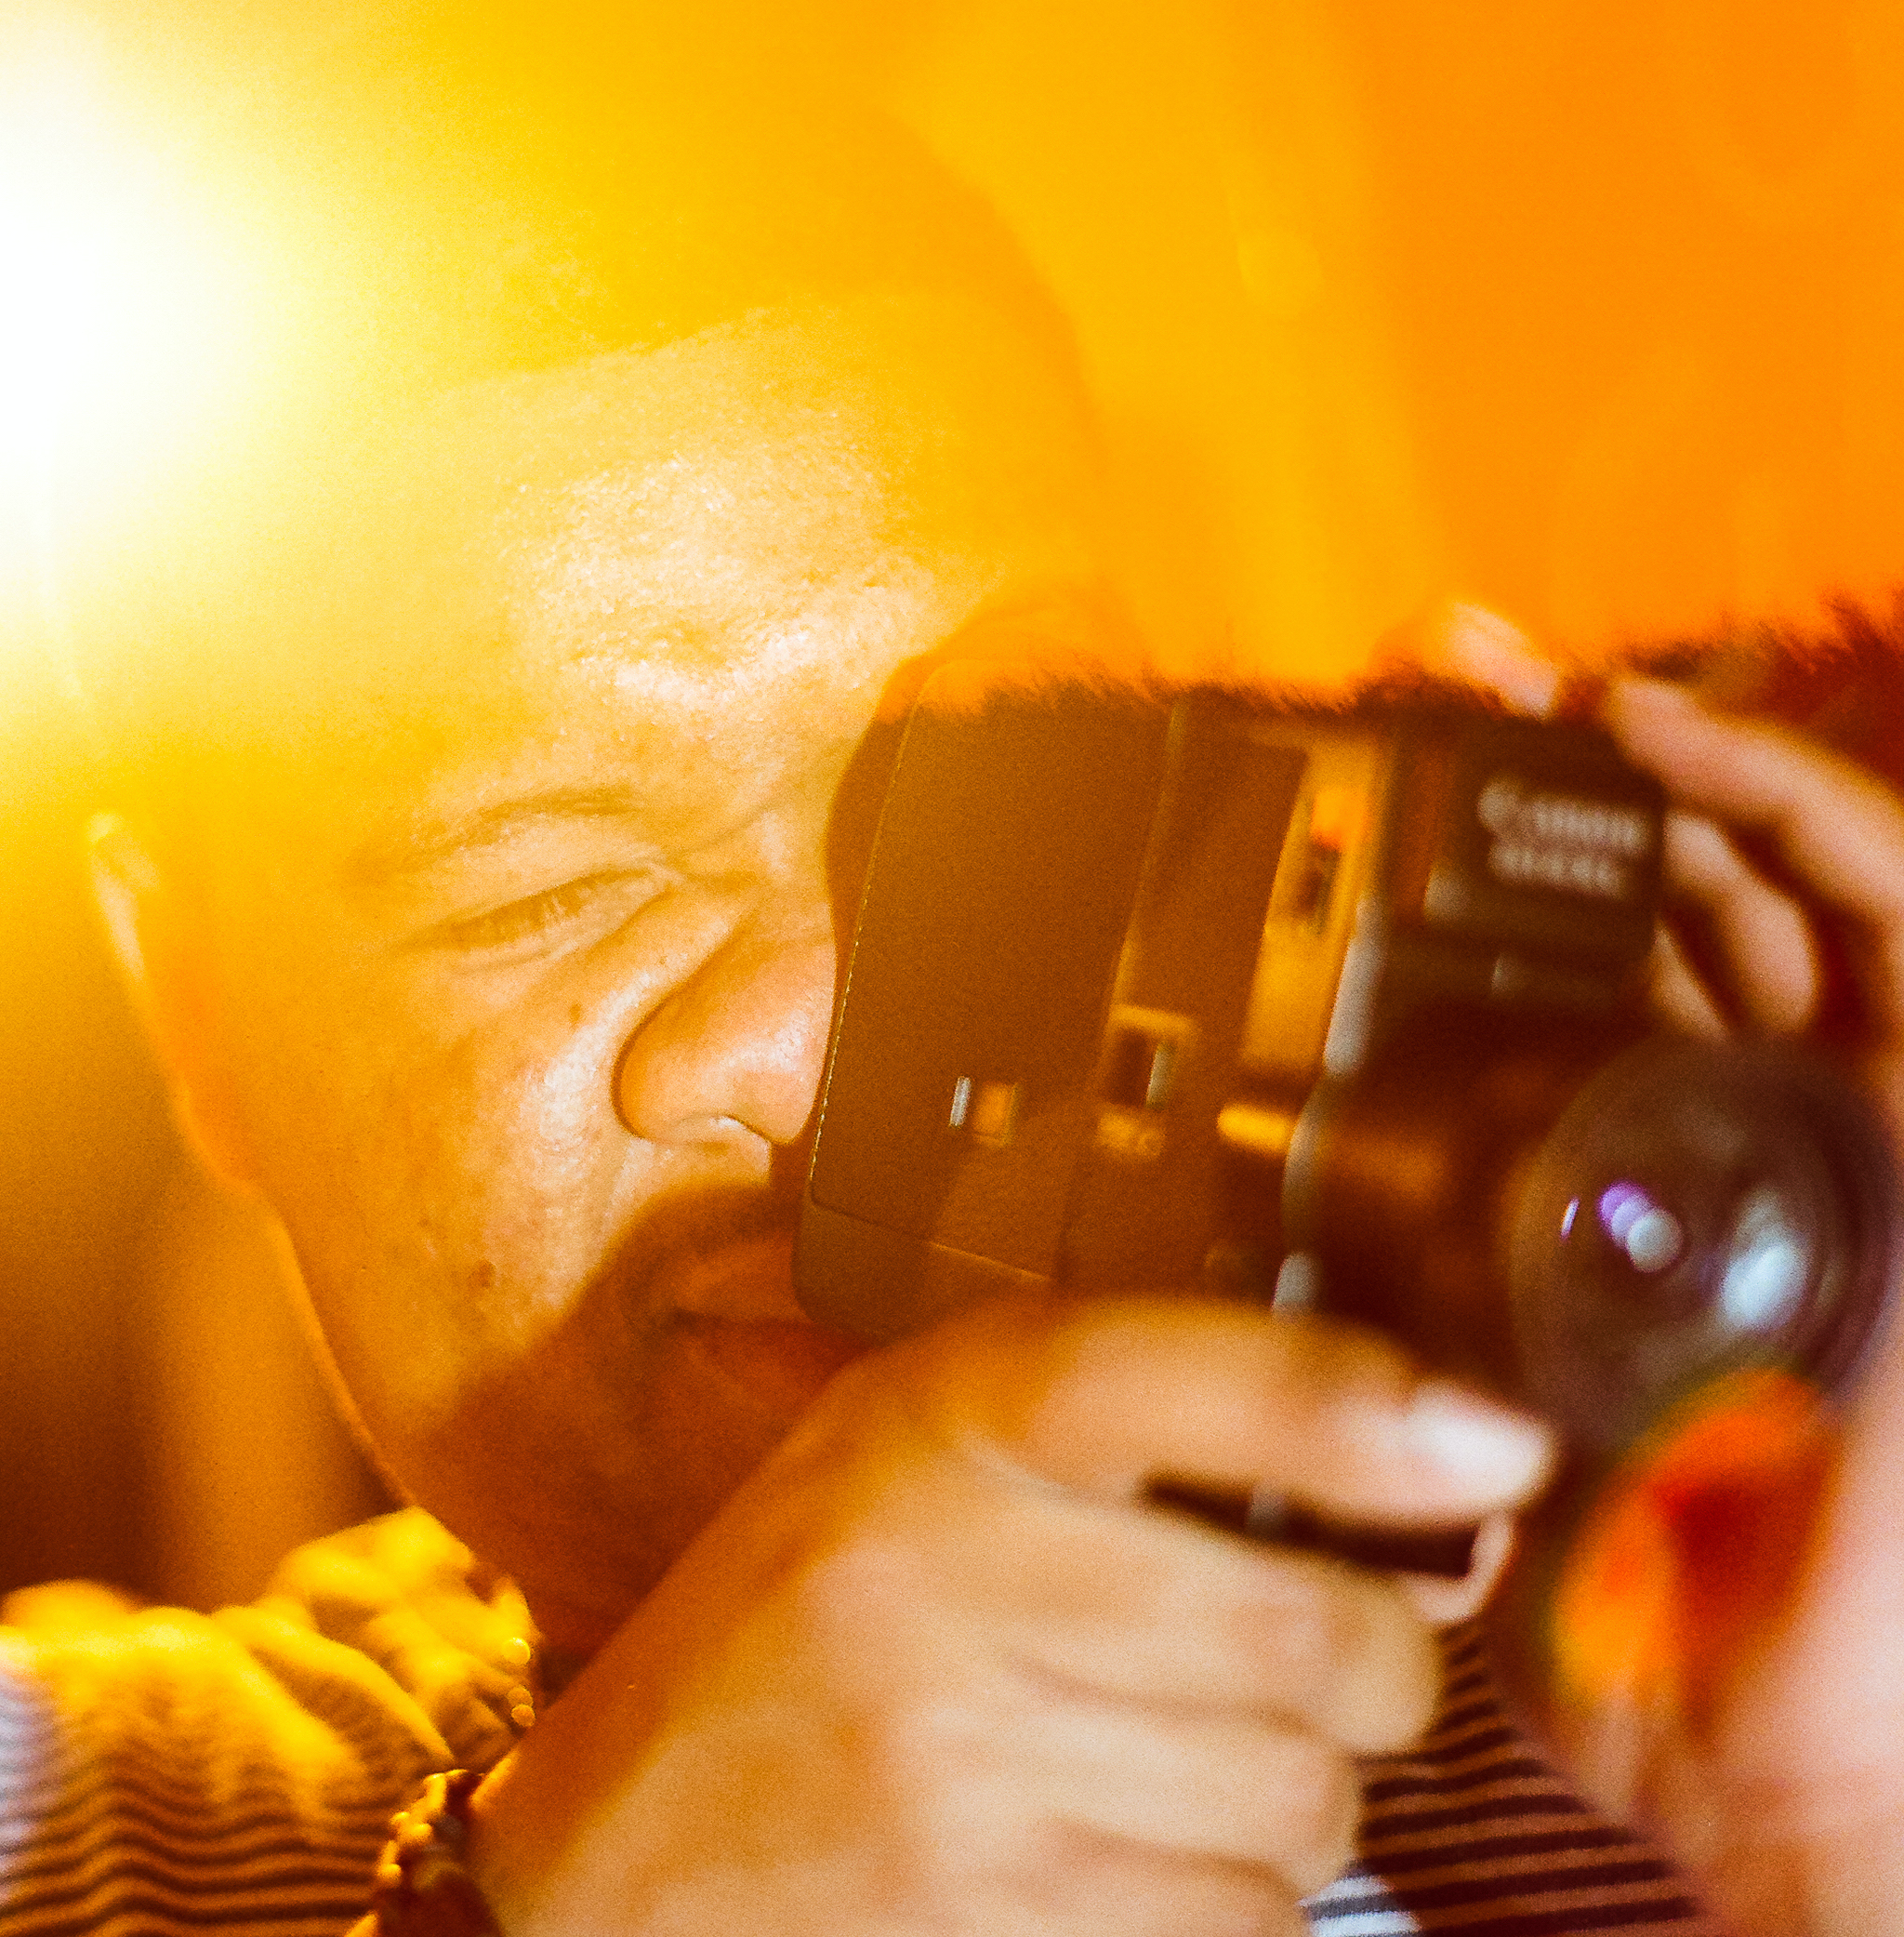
1783	877
1784	886
938	1668
1786	881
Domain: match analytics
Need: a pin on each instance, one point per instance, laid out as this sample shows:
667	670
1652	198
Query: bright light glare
118	319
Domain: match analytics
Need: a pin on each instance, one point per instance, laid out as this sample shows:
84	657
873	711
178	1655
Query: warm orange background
1585	308
1590	309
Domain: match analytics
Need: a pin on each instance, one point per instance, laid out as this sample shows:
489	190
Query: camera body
1337	1007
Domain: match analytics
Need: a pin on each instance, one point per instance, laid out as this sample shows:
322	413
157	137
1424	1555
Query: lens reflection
1765	1274
1648	1233
1694	1212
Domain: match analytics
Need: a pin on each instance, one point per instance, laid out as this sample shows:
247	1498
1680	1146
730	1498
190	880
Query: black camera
1341	1008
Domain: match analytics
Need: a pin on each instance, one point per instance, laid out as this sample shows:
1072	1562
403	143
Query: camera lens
1696	1209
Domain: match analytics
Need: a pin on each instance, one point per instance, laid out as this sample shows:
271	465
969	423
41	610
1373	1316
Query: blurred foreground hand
937	1669
1770	1751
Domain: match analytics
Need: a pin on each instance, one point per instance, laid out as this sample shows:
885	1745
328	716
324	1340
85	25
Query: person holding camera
485	928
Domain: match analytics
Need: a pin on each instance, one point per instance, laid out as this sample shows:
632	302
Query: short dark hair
522	199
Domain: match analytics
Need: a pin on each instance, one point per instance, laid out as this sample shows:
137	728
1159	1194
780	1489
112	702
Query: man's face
518	951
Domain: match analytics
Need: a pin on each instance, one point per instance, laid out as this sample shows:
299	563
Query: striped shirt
172	1772
1472	1831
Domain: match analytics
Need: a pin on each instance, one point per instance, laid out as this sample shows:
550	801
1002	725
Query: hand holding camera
1337	1008
938	1668
1783	905
941	1664
1785	896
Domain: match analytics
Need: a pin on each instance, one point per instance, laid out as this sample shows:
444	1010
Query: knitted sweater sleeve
172	1771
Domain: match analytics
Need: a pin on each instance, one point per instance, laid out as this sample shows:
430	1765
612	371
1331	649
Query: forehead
664	508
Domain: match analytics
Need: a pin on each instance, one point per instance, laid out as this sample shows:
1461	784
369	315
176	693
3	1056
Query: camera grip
1275	1520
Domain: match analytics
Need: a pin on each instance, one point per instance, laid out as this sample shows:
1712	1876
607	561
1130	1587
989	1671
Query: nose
740	1044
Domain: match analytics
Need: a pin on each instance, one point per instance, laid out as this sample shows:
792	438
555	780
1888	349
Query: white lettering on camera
1562	841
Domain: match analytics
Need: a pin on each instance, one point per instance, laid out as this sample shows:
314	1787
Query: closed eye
538	917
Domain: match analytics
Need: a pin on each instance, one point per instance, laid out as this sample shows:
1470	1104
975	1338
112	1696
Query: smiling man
483	917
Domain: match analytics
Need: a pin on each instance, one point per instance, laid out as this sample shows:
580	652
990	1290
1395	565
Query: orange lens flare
1690	1554
124	309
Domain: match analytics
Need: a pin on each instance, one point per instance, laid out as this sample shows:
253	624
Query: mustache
679	1229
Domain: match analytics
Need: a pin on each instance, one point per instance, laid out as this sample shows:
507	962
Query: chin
593	1537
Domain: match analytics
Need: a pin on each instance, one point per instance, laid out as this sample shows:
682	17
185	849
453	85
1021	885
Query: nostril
736	1051
623	1114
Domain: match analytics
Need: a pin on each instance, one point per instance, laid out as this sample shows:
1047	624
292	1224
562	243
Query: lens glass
1695	1211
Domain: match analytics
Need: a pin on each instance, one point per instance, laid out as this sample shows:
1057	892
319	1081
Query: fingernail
1472	1441
1494	652
1658	694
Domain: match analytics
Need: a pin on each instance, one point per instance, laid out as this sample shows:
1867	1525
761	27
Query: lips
747	1278
779	1364
732	1307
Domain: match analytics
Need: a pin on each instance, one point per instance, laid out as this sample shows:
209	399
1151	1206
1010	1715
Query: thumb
1461	640
1107	1396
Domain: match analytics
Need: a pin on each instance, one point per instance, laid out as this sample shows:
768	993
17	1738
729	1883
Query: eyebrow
392	856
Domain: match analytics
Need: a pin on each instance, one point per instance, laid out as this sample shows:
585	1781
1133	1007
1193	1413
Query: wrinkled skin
499	957
511	915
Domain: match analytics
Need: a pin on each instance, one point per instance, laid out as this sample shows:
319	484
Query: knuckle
1318	1627
1355	1659
852	1593
1416	1691
929	1745
935	1804
1318	1808
1394	1700
1075	1878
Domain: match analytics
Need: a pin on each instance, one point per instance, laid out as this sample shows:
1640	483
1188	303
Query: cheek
450	1192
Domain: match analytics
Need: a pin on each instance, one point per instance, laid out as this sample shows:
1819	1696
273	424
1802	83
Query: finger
1461	640
1836	828
1676	994
1075	1878
1151	1608
1753	945
1442	1602
1107	1395
1204	1786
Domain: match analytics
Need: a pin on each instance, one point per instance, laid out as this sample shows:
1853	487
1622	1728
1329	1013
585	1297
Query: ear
164	967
